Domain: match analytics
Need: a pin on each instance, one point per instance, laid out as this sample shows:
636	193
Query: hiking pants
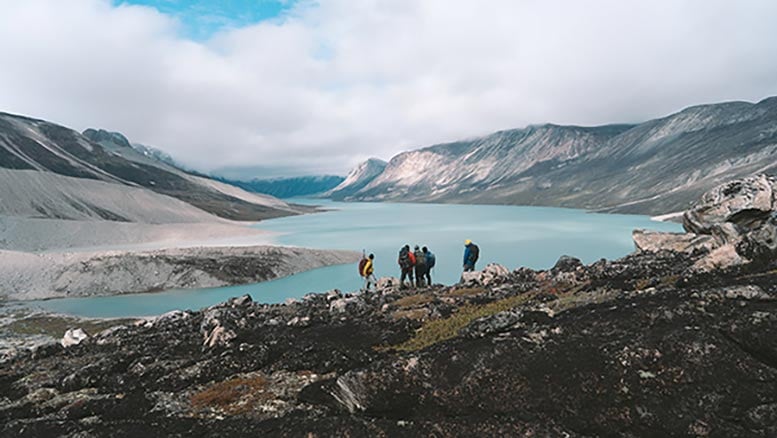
469	268
428	276
420	272
368	280
406	273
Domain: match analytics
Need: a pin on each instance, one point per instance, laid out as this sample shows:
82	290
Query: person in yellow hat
367	271
471	255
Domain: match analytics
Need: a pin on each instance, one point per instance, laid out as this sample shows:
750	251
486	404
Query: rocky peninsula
677	339
27	276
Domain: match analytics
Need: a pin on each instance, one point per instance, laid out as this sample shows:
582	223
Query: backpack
474	253
430	259
420	258
362	263
411	256
404	259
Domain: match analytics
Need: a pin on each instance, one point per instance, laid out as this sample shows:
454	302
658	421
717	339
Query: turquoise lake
512	236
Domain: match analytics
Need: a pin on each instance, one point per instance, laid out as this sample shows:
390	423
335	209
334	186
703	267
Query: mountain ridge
654	167
29	144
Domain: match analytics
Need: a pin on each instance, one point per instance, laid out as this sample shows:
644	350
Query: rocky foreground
664	342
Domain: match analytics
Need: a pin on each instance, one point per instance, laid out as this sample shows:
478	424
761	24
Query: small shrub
234	396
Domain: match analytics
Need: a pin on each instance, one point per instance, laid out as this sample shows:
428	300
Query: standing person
405	261
420	266
430	262
367	273
471	254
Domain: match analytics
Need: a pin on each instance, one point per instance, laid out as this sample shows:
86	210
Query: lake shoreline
31	276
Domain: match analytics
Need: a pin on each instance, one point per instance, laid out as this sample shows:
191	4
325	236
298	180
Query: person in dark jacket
405	261
431	260
471	254
420	266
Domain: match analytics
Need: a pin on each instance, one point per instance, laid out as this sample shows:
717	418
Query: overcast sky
315	87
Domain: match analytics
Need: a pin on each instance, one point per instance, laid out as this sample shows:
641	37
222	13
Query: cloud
336	81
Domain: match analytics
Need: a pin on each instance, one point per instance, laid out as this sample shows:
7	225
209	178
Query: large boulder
490	274
732	224
746	203
73	337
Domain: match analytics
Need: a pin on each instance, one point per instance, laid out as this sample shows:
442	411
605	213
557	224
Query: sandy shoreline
53	235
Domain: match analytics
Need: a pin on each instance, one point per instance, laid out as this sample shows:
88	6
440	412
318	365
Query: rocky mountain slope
654	167
288	187
41	153
357	179
658	343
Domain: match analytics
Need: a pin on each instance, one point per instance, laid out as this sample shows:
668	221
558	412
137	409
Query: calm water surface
513	236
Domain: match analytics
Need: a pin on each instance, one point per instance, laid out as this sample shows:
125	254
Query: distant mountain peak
104	137
359	177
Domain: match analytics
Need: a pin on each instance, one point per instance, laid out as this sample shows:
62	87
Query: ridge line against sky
282	87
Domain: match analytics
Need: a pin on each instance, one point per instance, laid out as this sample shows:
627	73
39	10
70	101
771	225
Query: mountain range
654	167
287	187
52	172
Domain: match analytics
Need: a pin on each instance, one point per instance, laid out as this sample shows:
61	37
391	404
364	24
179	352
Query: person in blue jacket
471	255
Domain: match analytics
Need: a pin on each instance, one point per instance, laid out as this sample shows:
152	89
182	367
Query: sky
282	87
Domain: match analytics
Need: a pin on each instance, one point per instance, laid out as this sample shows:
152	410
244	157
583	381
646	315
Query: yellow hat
467	242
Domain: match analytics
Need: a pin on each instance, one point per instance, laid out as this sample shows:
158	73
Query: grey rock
242	301
652	241
499	322
73	337
566	263
343	304
491	274
746	203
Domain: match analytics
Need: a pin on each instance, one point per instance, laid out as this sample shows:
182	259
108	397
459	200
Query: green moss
433	332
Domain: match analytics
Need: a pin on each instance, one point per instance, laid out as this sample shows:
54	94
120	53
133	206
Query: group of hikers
416	265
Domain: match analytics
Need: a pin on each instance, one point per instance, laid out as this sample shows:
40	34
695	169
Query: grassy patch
414	300
466	292
414	314
56	326
572	299
758	275
234	396
440	330
642	283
